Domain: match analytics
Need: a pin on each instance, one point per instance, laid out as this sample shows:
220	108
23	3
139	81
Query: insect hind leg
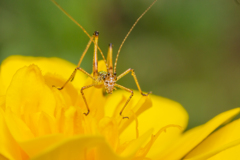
71	78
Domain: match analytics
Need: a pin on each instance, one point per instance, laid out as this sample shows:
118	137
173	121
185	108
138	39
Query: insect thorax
107	79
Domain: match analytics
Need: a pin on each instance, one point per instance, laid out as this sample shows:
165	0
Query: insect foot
57	87
125	117
86	113
147	93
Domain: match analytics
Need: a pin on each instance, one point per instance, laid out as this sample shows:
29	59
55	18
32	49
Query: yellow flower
37	121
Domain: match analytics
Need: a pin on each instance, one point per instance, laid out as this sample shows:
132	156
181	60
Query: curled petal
222	144
156	112
48	65
27	89
193	137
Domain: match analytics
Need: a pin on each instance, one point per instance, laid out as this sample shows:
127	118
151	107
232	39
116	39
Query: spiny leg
135	79
69	79
73	75
85	72
77	68
128	90
84	98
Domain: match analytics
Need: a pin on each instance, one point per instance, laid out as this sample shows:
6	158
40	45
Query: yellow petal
193	137
143	104
228	152
95	100
136	144
65	97
162	113
75	148
3	102
94	96
40	144
225	139
2	86
114	105
109	129
3	157
28	93
53	65
30	105
102	66
71	123
18	129
145	150
46	124
9	149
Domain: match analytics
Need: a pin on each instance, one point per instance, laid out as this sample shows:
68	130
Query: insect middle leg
126	89
135	79
84	98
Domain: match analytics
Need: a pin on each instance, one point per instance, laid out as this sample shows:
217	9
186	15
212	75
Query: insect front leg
84	98
77	68
69	79
135	79
128	90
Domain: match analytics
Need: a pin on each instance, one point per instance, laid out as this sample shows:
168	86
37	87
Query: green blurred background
185	50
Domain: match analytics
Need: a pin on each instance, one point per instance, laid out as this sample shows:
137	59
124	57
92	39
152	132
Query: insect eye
104	77
115	74
96	33
108	74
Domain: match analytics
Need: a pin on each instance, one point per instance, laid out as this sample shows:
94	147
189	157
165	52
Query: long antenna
69	16
115	65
